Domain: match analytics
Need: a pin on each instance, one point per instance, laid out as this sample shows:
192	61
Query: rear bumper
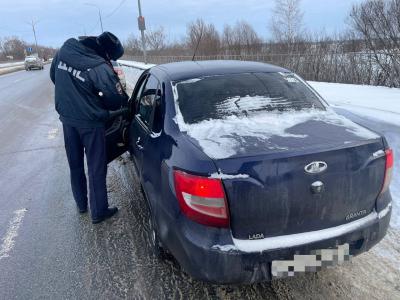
213	255
33	65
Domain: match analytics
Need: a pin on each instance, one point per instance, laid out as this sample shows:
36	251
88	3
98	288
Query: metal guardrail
11	64
348	67
135	64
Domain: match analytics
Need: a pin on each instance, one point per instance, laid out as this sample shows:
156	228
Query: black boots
108	214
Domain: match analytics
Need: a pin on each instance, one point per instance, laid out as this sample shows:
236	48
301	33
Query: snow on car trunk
226	137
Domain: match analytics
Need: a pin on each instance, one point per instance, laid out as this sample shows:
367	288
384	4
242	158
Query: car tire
155	243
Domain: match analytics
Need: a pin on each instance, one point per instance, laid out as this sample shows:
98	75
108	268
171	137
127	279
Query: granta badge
356	214
316	167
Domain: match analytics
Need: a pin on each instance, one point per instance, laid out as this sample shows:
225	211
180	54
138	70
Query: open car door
116	138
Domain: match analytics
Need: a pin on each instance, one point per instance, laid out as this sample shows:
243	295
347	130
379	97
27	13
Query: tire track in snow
8	241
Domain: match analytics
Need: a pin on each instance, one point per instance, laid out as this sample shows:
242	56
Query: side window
139	91
147	98
158	119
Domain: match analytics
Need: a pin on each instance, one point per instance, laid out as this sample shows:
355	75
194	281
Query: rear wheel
156	245
155	242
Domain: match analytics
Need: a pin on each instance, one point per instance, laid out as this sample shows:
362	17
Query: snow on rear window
238	111
216	97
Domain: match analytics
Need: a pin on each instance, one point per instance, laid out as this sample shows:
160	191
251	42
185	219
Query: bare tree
132	45
240	39
2	55
287	22
15	47
156	39
378	23
248	38
203	35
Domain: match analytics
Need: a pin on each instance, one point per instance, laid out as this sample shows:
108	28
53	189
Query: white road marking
52	134
12	232
15	81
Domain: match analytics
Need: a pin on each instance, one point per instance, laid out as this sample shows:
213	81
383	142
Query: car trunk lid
270	193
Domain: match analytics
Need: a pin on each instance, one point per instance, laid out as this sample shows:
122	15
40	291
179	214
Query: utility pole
33	24
142	28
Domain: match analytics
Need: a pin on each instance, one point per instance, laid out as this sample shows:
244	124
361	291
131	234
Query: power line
116	9
107	16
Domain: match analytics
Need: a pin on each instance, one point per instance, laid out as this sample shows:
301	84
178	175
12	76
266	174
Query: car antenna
198	43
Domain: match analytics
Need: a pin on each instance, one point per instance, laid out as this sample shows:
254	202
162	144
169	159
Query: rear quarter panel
171	150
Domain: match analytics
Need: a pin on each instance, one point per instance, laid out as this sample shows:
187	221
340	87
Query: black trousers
90	141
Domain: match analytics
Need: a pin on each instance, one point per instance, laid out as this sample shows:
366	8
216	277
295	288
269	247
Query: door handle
138	144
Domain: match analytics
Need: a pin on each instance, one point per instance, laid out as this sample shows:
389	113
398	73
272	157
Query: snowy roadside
11	64
381	103
7	70
135	64
133	70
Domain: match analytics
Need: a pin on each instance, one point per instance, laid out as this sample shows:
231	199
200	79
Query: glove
120	112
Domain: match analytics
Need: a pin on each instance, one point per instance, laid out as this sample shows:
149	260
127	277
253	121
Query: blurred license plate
313	262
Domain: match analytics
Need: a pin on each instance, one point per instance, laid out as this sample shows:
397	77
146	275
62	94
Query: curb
11	70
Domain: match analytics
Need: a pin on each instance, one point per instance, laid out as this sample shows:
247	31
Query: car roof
194	69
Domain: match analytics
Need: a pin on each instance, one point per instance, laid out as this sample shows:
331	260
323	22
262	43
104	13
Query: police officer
87	95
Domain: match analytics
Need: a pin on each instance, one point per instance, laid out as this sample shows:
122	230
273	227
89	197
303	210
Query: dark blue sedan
245	166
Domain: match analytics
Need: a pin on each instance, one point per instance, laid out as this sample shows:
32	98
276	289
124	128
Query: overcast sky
61	19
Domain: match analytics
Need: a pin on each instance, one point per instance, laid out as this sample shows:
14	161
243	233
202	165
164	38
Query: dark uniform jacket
86	86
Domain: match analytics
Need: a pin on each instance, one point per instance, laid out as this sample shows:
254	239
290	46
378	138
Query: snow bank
377	102
133	70
131	76
11	69
11	64
135	64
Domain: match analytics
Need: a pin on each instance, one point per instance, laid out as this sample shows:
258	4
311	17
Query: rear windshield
216	97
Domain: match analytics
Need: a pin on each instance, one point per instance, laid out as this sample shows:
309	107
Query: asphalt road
48	250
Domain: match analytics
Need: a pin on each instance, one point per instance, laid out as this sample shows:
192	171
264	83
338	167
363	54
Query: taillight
202	199
388	170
